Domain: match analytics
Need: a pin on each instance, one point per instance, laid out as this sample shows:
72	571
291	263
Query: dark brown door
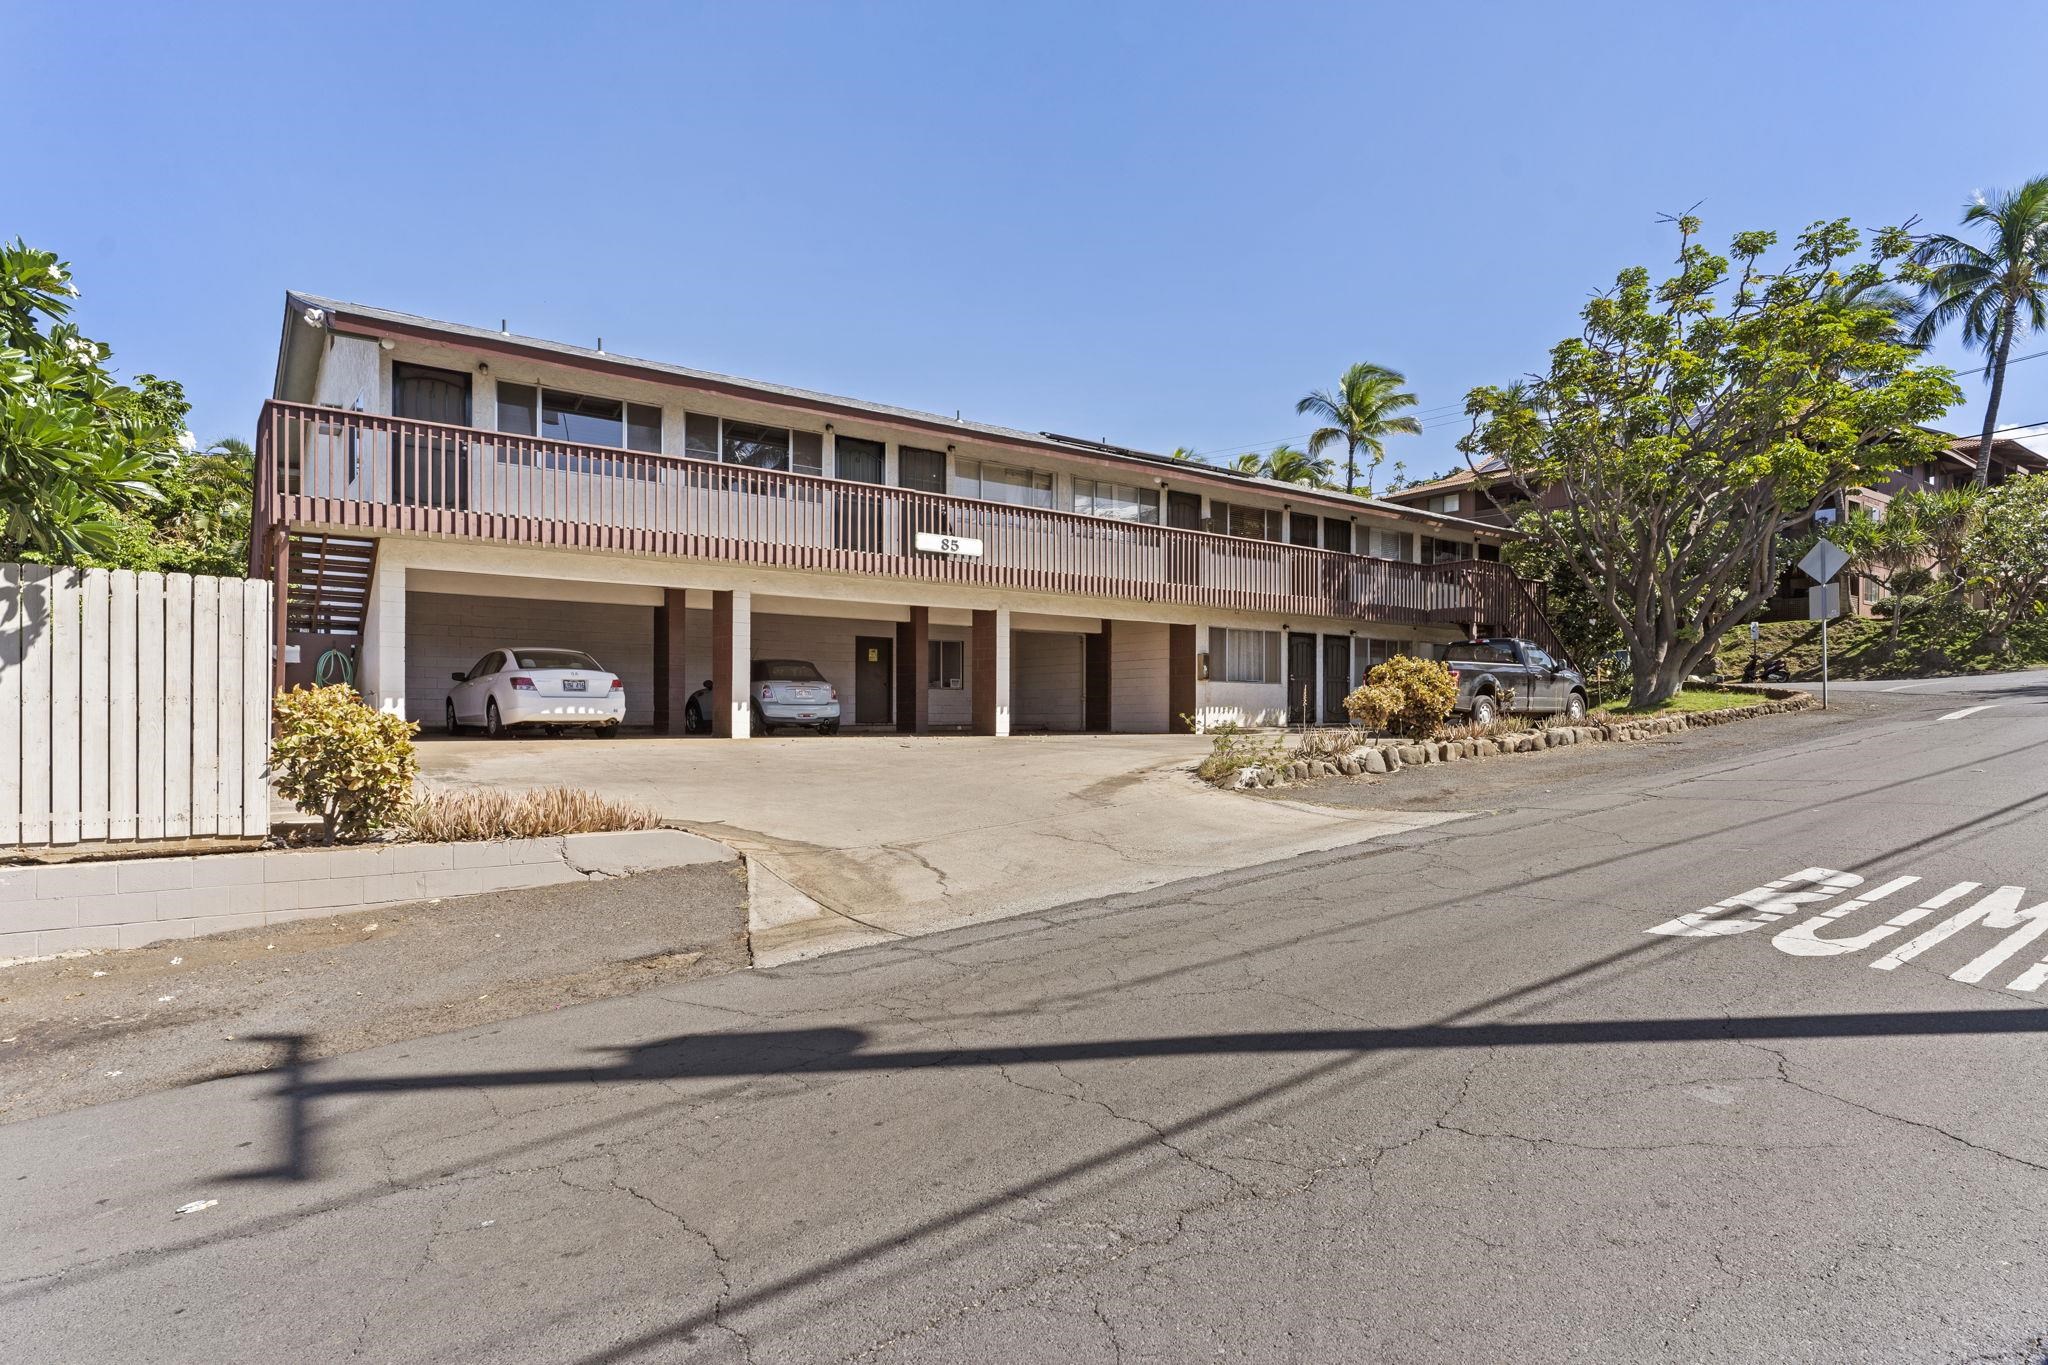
1183	559
1336	678
1301	679
430	468
874	678
922	471
857	509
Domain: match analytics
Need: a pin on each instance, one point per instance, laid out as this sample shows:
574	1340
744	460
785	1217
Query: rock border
1383	757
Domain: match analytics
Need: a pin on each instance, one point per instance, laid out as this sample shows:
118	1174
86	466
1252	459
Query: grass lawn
1691	699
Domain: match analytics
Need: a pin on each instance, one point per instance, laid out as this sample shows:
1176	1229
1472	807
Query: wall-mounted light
828	426
388	344
483	367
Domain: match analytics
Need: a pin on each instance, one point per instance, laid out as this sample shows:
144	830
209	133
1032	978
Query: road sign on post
1824	561
1821	564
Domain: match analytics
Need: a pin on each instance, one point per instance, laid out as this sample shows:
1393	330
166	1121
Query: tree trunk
1351	469
2006	320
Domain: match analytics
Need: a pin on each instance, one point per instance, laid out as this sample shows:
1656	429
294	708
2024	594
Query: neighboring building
428	491
1952	468
1486	495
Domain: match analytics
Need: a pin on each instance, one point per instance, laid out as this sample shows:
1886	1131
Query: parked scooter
1770	670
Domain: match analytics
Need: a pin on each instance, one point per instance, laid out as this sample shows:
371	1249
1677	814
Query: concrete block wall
1048	674
447	633
131	902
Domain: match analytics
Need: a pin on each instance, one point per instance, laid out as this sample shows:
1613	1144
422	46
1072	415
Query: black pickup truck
1509	675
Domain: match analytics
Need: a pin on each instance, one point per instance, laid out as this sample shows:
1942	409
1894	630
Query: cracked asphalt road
1436	1098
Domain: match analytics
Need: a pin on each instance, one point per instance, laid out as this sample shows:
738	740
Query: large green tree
75	446
1361	415
1996	291
2007	551
1692	421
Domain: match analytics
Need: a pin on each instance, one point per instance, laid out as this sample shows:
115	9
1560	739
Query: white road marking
1998	910
1967	711
1902	687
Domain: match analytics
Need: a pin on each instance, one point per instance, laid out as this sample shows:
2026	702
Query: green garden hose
331	663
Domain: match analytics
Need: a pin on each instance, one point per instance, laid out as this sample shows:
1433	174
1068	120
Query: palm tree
1358	415
1184	455
1996	290
1289	465
1251	462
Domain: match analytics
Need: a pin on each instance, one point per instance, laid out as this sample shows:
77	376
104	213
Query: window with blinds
1246	656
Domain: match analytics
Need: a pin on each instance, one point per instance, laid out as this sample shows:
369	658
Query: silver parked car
788	692
551	689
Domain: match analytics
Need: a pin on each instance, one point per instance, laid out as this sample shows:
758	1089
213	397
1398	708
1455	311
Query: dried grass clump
487	813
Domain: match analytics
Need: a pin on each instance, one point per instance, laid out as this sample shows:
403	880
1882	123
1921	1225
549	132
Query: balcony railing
334	469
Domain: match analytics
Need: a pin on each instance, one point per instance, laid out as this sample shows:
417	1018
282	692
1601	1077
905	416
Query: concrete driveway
857	839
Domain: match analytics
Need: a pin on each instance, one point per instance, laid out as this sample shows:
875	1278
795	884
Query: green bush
349	764
1233	748
1406	695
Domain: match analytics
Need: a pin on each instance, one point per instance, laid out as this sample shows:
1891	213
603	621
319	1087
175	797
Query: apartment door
923	471
1301	679
874	680
1336	678
857	504
430	468
1183	556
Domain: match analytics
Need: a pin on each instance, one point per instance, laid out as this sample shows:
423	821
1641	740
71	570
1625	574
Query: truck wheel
1575	707
1483	711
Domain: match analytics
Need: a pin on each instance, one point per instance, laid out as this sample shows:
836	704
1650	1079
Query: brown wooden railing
349	470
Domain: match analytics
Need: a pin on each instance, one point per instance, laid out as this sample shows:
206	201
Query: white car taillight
618	685
834	691
767	692
522	684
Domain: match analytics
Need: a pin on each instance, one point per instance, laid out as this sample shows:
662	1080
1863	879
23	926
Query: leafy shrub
349	764
1407	695
1232	748
487	813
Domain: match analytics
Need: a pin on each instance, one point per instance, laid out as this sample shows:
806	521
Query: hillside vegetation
1932	642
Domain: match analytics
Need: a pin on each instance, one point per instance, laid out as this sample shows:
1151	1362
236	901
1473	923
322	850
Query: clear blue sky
1160	224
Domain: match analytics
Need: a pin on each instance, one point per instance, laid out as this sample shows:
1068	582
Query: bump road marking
1967	711
1763	906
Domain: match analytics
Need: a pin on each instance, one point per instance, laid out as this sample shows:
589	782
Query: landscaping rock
1375	761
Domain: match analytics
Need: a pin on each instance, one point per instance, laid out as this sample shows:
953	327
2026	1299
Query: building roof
365	319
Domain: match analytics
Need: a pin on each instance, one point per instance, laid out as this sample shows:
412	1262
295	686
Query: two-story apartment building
427	492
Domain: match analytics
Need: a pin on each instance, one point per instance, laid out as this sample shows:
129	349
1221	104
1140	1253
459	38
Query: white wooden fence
133	706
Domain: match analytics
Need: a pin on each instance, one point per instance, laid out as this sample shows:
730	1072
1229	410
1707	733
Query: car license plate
806	715
575	685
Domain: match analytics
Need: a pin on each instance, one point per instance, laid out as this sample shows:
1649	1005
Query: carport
897	667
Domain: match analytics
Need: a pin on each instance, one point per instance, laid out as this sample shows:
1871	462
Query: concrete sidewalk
859	839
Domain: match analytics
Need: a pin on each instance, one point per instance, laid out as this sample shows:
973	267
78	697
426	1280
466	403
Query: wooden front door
1336	678
1301	679
430	469
874	678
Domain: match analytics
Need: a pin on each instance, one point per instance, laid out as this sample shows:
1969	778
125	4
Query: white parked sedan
550	688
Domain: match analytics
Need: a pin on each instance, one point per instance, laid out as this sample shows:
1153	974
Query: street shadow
828	1051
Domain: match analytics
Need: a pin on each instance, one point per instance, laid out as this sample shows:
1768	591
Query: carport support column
380	662
1181	656
991	646
913	700
671	678
732	652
